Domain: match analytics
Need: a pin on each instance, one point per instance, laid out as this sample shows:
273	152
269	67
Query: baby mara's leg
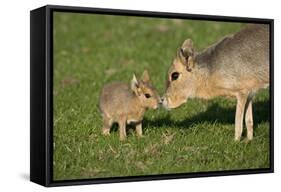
107	123
122	128
139	129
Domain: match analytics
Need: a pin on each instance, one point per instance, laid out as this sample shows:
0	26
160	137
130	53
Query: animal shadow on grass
214	113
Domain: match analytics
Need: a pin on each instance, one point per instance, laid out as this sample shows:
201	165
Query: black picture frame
41	97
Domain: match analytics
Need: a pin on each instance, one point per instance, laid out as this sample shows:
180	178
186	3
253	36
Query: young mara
126	104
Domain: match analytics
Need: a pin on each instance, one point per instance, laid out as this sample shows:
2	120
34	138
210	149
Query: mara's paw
122	137
140	136
105	132
237	139
247	140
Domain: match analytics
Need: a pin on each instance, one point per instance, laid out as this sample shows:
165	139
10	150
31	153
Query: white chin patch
176	106
166	107
165	104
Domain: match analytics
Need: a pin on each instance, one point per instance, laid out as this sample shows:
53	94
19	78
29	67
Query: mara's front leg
249	119
139	129
122	129
239	116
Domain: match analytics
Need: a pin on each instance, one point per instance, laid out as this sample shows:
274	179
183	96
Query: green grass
92	50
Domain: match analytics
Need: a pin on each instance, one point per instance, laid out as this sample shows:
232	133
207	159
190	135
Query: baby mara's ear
145	76
135	85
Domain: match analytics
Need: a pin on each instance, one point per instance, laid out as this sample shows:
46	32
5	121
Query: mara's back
243	56
115	97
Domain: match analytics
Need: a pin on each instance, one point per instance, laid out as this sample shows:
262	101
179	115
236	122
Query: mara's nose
161	100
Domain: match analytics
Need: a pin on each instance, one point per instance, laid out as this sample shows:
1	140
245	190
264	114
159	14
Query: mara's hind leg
249	119
107	123
240	108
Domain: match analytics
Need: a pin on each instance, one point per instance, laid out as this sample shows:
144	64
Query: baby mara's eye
147	95
175	76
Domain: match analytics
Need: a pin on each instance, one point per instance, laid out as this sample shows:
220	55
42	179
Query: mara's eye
147	95
175	76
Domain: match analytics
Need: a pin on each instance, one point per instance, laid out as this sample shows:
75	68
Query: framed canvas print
123	95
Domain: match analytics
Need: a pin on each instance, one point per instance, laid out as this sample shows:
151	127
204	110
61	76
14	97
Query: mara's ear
145	76
135	85
186	53
187	48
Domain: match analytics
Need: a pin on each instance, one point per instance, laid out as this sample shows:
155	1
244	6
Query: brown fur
236	66
126	104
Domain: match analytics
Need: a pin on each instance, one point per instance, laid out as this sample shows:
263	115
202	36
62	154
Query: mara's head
145	92
181	79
